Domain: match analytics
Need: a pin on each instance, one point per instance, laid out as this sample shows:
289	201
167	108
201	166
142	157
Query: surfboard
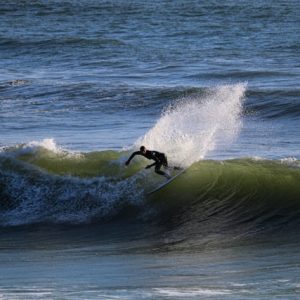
166	182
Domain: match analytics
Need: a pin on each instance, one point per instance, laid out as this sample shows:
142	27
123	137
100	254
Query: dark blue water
199	80
109	68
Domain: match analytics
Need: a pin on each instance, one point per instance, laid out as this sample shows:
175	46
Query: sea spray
196	125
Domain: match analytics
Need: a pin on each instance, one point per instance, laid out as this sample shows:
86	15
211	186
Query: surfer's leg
160	172
165	161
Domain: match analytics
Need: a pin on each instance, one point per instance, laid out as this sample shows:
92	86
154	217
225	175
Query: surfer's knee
157	167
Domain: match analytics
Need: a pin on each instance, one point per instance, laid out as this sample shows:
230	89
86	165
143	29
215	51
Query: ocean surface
214	85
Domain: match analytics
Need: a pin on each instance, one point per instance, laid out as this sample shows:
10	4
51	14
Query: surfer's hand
148	167
127	163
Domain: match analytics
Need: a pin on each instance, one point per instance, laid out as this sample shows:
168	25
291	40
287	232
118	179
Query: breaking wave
46	186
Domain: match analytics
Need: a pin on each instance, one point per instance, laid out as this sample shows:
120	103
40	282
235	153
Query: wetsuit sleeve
132	156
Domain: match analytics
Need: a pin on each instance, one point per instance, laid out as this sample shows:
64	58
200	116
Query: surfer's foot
168	176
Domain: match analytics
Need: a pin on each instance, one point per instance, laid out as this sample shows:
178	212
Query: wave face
39	185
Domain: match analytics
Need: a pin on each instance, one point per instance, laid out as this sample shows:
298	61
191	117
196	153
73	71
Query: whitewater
196	125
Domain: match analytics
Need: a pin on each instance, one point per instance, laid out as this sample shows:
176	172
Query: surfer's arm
132	156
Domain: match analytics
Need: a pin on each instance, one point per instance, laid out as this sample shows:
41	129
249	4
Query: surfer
159	158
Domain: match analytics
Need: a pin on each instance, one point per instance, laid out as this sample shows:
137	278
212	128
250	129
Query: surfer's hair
142	148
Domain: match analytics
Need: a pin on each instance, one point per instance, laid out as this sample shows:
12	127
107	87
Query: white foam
48	144
196	125
290	161
33	147
63	199
192	292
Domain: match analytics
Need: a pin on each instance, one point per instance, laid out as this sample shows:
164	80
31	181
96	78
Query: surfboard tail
167	182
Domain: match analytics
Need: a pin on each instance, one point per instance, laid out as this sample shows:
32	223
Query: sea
215	85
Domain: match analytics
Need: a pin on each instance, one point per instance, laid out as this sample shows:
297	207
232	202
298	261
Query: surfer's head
143	149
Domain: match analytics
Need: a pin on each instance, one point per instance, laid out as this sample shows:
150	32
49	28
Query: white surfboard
166	182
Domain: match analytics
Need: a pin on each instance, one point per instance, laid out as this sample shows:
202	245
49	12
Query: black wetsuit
159	158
